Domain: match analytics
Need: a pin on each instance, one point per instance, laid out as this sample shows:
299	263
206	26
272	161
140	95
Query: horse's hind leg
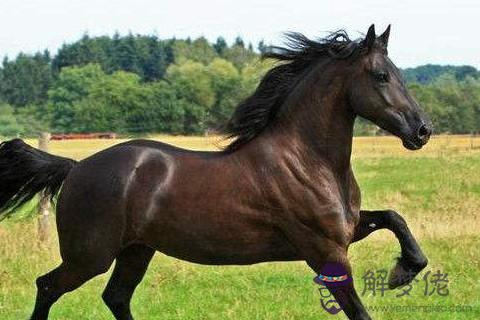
59	281
130	267
412	259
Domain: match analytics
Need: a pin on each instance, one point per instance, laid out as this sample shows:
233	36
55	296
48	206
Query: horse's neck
318	123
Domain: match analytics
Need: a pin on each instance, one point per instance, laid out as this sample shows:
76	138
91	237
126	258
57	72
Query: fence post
44	208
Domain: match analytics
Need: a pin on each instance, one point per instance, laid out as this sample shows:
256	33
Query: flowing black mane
254	114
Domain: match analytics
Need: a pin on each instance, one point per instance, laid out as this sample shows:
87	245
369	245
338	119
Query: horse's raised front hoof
405	271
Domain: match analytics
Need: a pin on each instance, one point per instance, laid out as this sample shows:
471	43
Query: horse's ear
384	37
370	38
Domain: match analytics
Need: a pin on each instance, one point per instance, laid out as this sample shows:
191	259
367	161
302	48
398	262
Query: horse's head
378	93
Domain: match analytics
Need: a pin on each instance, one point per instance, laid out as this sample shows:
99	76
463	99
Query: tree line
143	84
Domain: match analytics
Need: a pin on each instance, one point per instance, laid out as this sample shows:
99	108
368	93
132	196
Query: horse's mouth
413	144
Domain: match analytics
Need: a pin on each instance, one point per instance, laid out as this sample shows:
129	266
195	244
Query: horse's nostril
424	132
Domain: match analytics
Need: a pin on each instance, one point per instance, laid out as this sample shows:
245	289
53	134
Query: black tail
25	171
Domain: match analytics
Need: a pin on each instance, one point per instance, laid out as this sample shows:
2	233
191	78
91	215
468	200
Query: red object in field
78	136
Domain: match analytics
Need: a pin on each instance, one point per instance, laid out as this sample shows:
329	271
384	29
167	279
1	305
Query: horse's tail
26	171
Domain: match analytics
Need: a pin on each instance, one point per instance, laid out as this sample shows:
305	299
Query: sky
429	31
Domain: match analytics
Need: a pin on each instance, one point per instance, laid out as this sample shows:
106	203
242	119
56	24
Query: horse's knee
42	282
412	257
46	288
47	294
394	220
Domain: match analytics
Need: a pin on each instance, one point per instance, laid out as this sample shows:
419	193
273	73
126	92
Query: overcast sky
429	31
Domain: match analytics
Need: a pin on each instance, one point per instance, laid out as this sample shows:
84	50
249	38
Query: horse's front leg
337	267
328	258
412	259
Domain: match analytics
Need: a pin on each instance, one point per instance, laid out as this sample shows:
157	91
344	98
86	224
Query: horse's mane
256	112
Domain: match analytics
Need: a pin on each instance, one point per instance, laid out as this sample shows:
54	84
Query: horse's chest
351	211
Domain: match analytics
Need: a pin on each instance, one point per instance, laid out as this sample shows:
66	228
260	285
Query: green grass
437	190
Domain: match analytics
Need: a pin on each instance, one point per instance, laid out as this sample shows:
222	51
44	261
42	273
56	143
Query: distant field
437	190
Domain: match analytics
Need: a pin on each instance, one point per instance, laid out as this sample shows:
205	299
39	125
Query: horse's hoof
405	271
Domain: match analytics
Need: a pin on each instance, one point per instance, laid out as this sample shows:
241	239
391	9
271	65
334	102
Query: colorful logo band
322	278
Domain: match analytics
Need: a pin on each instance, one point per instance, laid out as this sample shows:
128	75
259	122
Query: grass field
436	189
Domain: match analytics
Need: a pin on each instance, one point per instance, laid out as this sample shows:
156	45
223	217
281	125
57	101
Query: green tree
125	104
226	84
220	45
239	42
125	54
198	50
192	83
9	126
164	112
430	72
26	79
73	85
239	55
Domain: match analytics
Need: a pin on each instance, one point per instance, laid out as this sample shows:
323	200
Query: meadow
436	189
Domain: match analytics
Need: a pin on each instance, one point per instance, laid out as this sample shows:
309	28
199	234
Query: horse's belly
221	245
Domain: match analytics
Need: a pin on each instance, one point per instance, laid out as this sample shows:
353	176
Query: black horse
283	190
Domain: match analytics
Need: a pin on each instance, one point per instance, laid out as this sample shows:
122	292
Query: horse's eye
381	76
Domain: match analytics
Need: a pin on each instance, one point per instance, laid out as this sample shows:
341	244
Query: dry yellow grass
364	147
439	146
